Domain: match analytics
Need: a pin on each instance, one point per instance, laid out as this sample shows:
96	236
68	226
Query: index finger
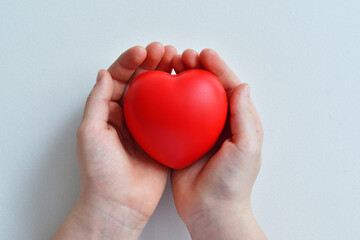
124	67
213	63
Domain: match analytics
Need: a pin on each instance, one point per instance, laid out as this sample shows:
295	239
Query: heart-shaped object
176	119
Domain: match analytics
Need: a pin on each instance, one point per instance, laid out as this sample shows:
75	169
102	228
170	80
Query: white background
301	58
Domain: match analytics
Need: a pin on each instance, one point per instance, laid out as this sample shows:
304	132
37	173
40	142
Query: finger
98	103
165	63
258	124
191	59
155	52
242	121
124	67
178	64
214	64
116	116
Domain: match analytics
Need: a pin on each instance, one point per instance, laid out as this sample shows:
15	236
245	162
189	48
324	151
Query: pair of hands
121	185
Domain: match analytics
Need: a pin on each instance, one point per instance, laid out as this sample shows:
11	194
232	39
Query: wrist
230	222
96	218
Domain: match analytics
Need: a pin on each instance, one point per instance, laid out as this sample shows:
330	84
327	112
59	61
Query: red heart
176	119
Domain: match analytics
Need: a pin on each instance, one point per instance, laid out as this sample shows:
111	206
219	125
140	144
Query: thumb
243	120
98	103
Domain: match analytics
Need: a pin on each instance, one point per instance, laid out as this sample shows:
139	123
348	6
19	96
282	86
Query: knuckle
254	148
80	132
86	130
250	147
260	131
90	98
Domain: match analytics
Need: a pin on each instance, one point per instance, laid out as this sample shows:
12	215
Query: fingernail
247	91
98	76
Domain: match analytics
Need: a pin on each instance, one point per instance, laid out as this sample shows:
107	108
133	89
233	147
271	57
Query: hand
120	184
212	196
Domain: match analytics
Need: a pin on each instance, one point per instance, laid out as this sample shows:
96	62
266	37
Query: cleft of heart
176	119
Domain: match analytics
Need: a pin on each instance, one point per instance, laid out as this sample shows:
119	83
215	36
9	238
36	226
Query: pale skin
121	185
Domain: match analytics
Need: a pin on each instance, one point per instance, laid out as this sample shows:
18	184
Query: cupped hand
120	184
212	196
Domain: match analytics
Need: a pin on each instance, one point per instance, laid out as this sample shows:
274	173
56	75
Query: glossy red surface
176	119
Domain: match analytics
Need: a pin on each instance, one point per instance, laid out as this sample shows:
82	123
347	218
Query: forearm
223	224
89	222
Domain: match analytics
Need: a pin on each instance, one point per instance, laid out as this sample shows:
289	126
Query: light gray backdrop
302	59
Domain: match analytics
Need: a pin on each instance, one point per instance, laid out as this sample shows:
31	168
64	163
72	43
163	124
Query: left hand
212	196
